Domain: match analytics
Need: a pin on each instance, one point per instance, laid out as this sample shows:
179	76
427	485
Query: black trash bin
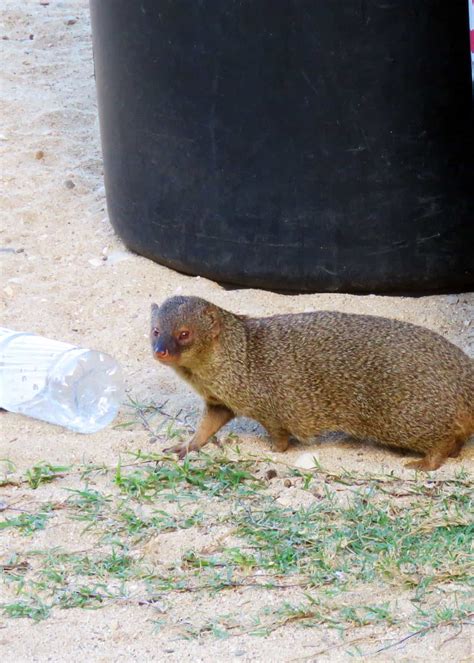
309	146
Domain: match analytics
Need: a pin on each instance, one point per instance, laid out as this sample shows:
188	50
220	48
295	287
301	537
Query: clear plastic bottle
60	383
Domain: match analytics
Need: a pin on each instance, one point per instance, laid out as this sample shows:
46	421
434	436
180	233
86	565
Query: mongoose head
182	329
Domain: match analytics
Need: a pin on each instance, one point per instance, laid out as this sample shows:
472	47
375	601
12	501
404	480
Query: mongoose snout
305	374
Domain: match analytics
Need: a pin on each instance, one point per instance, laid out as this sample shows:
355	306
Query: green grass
410	537
215	476
44	473
32	608
27	523
365	542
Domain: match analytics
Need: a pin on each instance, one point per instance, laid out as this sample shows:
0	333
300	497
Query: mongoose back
304	374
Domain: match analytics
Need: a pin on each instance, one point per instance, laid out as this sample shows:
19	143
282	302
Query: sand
66	275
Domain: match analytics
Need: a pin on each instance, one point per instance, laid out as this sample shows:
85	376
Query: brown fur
301	375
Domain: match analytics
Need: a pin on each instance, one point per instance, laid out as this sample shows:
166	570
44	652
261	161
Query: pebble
70	21
306	461
117	256
39	155
69	184
287	483
270	474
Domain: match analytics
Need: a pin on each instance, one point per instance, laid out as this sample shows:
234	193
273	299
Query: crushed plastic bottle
60	383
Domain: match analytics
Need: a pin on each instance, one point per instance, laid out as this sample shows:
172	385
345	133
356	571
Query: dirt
66	275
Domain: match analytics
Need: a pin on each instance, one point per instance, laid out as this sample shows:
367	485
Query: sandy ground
66	275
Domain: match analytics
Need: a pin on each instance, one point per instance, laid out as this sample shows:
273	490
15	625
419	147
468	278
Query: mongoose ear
213	315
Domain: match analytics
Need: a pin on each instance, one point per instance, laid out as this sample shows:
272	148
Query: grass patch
32	608
215	476
409	536
28	523
44	473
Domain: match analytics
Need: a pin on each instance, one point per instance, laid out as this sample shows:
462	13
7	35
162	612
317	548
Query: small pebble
3	506
70	21
270	474
69	184
287	483
39	155
31	37
306	461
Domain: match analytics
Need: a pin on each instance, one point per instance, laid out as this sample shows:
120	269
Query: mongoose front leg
213	418
280	440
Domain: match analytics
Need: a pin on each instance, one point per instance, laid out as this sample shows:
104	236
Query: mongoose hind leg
214	417
436	457
427	464
456	450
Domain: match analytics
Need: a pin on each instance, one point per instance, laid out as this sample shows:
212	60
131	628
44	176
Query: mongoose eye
184	335
156	331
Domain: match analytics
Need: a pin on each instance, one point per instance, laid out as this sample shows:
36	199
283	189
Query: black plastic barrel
293	145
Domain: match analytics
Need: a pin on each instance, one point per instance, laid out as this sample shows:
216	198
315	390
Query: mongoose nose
162	354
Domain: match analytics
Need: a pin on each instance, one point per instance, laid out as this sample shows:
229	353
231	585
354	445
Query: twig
426	629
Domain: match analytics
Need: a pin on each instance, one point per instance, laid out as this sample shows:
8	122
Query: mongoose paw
181	450
424	464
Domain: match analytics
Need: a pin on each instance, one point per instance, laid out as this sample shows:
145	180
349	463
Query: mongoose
304	374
